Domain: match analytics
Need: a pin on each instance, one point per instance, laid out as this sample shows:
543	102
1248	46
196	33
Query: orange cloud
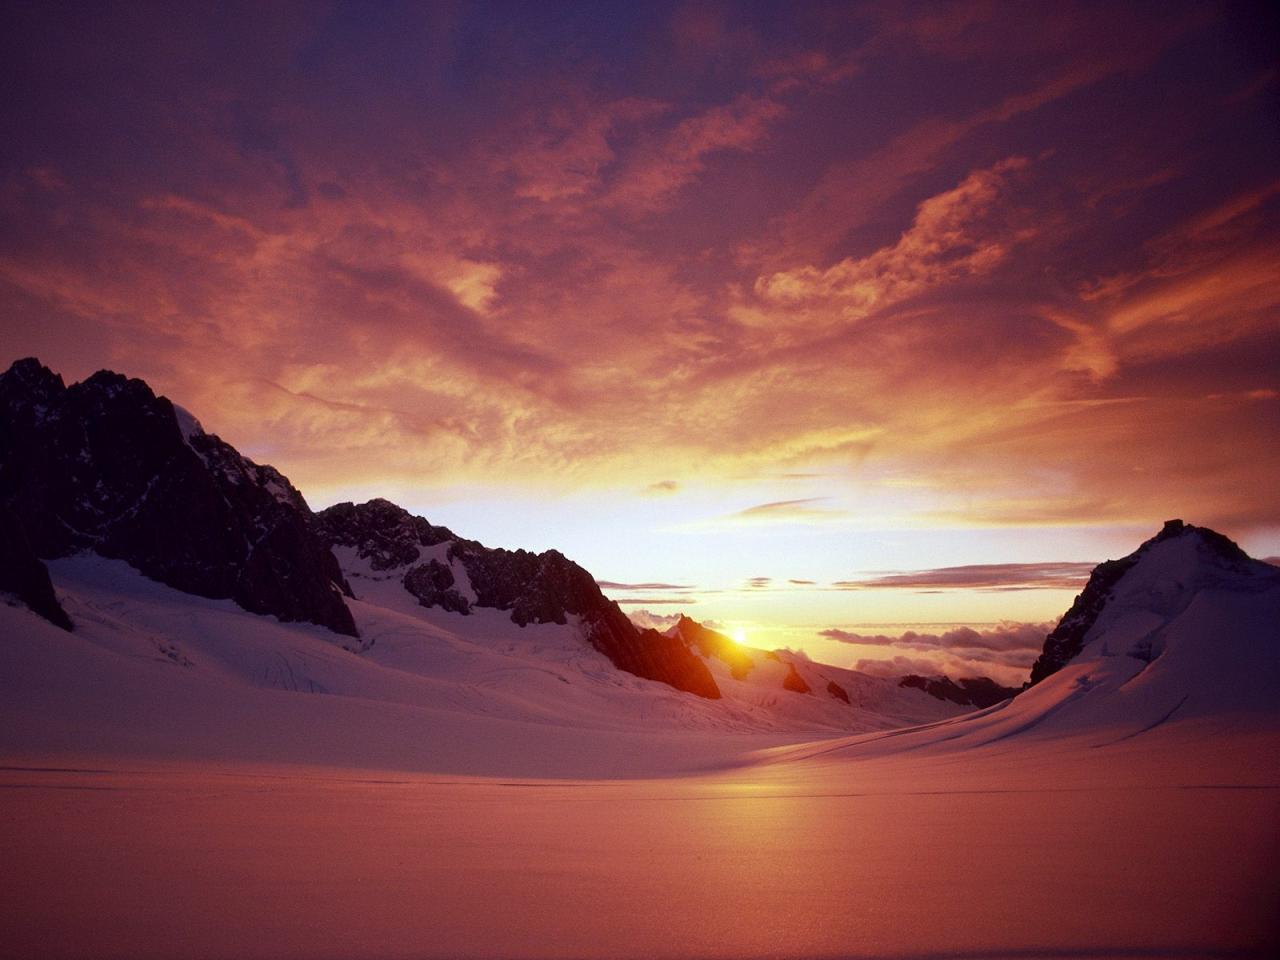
1004	652
946	242
655	173
670	271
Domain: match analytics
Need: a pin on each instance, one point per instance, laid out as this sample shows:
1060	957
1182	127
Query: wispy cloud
667	261
1003	638
782	511
657	601
662	167
946	241
662	488
611	585
987	576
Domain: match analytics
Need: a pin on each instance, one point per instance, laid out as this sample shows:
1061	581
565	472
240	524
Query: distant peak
33	375
27	367
1180	553
1217	543
112	384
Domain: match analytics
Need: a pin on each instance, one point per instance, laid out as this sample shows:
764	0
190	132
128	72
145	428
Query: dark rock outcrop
534	587
1067	639
969	692
837	691
24	575
108	466
386	535
432	583
711	643
793	681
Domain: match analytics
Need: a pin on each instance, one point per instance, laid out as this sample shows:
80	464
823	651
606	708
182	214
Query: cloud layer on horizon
1004	652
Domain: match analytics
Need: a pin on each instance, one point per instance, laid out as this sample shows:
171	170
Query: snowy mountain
150	671
106	465
1185	630
1202	558
184	600
163	550
1188	624
23	575
967	691
379	540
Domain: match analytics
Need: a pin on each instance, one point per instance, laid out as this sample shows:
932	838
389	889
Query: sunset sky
823	321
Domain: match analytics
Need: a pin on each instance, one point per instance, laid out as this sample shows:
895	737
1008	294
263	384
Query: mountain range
106	488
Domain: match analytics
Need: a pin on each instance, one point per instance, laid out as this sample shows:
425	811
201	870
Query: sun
739	635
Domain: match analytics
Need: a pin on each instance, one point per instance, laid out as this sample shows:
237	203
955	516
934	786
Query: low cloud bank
1005	652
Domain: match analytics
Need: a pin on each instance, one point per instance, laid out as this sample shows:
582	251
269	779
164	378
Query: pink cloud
947	240
661	168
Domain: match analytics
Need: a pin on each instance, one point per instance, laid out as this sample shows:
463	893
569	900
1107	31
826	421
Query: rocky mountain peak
29	377
978	692
385	534
104	465
1167	568
542	587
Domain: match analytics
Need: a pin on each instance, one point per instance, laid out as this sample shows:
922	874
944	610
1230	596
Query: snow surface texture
186	779
152	672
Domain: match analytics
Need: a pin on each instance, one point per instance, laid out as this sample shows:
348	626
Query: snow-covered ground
151	672
181	778
1118	852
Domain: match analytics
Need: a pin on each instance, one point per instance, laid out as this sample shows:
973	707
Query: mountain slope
106	465
151	672
1068	637
441	570
809	694
1184	630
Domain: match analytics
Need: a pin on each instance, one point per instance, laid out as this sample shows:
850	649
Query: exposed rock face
970	691
432	583
1067	638
386	535
535	588
23	574
711	643
793	681
106	465
837	691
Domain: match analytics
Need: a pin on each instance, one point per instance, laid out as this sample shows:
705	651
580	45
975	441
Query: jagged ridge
536	588
105	465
